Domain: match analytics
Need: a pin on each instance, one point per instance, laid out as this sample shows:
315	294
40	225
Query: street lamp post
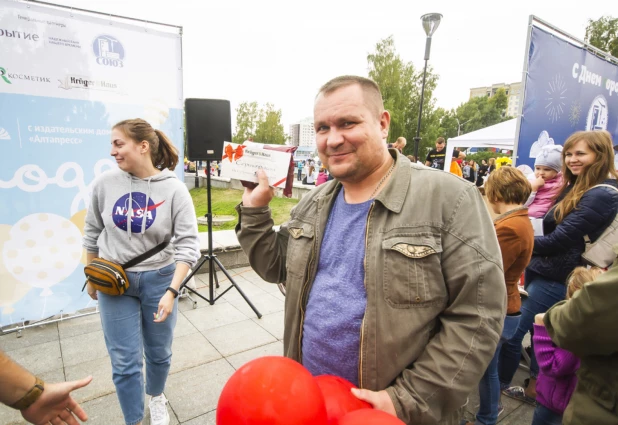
431	21
459	126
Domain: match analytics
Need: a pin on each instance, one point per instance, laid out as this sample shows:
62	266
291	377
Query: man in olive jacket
393	270
587	326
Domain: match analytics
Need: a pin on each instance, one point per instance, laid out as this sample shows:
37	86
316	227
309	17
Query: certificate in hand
242	162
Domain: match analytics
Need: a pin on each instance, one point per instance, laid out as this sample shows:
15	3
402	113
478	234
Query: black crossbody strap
146	255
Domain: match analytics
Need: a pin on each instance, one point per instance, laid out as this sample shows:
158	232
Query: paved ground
210	343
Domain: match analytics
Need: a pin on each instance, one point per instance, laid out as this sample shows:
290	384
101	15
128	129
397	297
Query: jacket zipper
302	298
362	335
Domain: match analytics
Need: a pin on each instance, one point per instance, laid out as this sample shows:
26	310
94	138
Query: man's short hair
508	185
371	91
440	140
401	141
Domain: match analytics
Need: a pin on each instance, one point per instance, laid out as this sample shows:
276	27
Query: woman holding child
582	208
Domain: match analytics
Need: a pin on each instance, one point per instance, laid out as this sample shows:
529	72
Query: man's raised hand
261	195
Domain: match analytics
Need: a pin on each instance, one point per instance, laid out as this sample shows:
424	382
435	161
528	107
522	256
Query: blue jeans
544	416
542	294
489	387
131	334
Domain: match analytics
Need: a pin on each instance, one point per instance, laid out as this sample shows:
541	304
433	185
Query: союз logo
3	75
108	51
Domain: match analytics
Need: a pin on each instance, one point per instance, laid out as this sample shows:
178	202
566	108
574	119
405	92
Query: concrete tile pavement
210	342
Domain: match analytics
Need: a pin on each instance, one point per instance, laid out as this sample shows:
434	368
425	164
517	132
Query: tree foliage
484	155
603	34
246	121
400	84
262	124
269	128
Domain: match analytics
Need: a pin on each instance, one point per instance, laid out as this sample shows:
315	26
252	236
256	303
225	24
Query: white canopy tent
501	136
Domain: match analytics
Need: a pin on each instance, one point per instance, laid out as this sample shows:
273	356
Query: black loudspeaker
209	125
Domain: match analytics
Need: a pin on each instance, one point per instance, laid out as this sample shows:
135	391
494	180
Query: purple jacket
545	197
556	381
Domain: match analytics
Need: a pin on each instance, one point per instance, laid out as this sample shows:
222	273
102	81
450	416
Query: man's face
349	135
440	146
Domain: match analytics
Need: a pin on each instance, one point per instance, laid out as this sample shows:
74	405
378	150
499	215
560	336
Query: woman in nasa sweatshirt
132	210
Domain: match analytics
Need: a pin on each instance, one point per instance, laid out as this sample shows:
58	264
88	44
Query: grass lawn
224	201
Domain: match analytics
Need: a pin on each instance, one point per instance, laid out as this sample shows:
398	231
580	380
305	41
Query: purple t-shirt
337	301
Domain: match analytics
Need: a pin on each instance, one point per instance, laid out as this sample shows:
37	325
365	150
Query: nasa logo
139	210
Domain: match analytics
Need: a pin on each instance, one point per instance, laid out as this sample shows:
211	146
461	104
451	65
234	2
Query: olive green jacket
587	326
436	296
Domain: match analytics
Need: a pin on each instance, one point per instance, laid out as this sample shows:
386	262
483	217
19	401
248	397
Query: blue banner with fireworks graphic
567	89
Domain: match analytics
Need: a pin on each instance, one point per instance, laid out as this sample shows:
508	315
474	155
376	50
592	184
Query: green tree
484	155
603	34
481	112
246	121
262	124
269	128
400	84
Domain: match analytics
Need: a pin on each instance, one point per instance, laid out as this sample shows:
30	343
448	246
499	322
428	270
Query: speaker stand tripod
212	260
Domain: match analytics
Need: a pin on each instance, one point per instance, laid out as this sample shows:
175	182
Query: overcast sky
283	51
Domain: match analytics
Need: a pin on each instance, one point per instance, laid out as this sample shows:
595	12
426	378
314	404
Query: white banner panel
65	79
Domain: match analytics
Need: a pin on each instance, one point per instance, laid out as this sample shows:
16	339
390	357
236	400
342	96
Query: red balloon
273	391
338	397
369	417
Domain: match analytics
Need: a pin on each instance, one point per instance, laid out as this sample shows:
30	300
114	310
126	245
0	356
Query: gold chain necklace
375	192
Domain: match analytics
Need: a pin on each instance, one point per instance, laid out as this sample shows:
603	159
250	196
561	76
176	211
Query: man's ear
385	123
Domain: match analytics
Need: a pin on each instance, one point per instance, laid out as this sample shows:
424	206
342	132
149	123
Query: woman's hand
92	292
166	305
538	319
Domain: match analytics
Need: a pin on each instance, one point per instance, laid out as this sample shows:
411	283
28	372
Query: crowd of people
309	173
408	261
423	310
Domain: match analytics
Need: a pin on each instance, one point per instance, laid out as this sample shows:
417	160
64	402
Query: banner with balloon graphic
65	80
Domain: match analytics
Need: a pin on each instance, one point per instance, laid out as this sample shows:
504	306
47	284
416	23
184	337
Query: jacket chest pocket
413	271
300	246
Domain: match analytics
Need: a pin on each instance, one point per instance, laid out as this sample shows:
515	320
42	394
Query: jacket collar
394	193
517	212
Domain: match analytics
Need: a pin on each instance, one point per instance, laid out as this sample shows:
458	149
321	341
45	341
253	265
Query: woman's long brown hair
599	142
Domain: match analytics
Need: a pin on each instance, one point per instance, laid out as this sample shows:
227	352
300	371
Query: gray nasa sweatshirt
128	216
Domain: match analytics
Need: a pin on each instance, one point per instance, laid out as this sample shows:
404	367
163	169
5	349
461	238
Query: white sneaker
158	411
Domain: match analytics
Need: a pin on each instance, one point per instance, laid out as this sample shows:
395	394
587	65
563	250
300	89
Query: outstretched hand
261	195
56	405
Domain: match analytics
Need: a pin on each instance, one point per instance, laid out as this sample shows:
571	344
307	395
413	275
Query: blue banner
568	89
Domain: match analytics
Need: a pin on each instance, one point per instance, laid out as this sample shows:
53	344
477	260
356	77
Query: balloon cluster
279	391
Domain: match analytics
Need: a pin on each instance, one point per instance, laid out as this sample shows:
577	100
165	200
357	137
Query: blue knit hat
550	156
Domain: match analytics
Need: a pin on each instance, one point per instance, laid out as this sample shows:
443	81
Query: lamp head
431	21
